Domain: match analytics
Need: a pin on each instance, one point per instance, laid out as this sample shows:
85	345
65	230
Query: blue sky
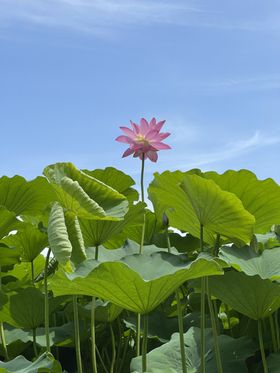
73	71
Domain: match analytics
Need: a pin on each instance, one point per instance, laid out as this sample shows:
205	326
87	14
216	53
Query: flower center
140	139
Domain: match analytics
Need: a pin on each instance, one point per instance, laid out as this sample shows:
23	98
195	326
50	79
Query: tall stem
138	328
93	341
77	335
168	240
92	326
214	330
181	332
265	369
32	272
3	341
47	316
2	332
202	303
143	200
277	329
144	344
113	349
273	335
138	335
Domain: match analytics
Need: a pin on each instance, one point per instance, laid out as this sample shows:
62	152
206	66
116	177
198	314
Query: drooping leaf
78	253
138	283
84	195
249	295
65	237
45	363
266	265
233	352
8	255
190	200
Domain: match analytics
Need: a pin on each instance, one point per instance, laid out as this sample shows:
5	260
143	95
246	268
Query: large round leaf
83	194
8	221
45	363
191	201
29	240
233	352
249	295
97	232
260	197
266	264
117	180
137	283
25	197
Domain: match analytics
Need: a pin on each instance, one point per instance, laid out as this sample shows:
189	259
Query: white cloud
93	16
189	158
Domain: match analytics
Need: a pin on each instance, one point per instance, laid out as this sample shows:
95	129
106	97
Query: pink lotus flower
144	139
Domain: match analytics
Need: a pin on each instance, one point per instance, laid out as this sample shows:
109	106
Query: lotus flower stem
181	332
277	329
265	369
143	200
202	302
93	341
77	334
113	349
144	343
273	335
214	330
47	316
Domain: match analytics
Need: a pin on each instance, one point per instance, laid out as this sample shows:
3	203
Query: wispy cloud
186	159
237	85
94	16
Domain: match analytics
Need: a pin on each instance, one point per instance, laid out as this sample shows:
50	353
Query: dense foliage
192	286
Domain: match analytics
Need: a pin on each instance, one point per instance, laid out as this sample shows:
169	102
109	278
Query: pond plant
92	280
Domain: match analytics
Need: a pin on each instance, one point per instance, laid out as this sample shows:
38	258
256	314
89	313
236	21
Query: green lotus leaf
249	295
260	197
8	221
106	311
190	201
83	194
65	238
117	180
267	241
45	363
25	197
22	271
266	265
59	335
27	308
233	352
138	283
273	363
8	255
97	232
29	240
